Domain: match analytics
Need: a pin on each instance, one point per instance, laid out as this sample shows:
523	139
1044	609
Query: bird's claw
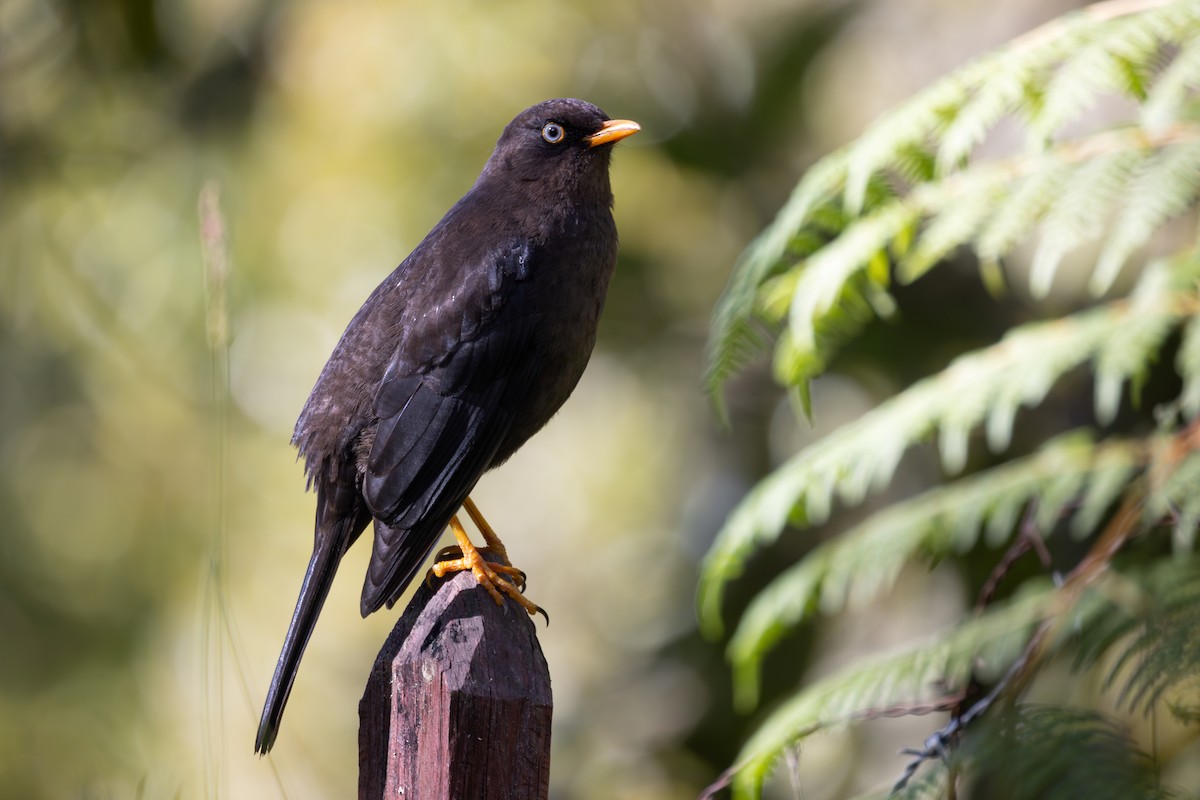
496	577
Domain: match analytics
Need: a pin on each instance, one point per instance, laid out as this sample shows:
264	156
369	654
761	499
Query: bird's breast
570	276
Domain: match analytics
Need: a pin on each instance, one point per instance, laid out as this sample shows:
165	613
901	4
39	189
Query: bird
453	362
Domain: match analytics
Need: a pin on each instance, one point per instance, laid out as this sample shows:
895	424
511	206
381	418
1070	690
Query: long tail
341	517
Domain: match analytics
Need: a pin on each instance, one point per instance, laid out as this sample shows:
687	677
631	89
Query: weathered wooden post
458	704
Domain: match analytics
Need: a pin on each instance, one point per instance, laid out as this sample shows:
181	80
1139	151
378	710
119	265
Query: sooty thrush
464	352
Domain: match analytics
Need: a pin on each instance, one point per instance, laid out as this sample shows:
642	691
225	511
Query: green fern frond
1081	55
1165	650
1075	186
736	337
1043	78
1013	72
1036	752
1080	213
1144	332
1157	627
1173	87
1026	203
826	275
864	561
1108	63
983	646
1151	624
934	784
1164	187
1173	495
912	191
899	131
1020	370
1188	363
1110	475
946	231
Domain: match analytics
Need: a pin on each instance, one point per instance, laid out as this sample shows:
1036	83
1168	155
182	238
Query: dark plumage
464	352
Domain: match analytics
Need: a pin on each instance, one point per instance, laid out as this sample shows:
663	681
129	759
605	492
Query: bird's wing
444	407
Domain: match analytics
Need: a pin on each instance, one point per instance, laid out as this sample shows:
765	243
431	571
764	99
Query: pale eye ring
553	133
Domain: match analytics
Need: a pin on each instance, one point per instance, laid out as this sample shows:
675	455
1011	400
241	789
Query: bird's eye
553	133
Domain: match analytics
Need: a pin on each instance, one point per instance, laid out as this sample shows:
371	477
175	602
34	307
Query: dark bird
464	352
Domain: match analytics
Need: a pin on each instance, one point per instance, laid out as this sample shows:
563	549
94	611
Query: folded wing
444	409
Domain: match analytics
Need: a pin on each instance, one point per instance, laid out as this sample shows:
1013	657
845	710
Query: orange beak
614	130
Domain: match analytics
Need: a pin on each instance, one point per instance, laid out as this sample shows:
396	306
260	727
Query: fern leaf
1091	71
983	646
1166	98
1188	364
955	227
1096	52
906	196
795	362
1173	494
1110	475
1079	215
1143	335
825	274
934	784
1020	370
898	131
1036	752
864	561
1152	628
1087	52
735	338
1165	651
1078	182
1166	648
1026	204
1107	63
1012	71
1164	187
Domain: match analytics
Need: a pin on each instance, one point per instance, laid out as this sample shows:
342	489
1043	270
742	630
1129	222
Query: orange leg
497	579
489	535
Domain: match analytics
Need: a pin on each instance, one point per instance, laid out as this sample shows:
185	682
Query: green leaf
1166	99
1109	61
1143	335
735	337
865	560
983	646
913	190
1027	203
897	132
1079	214
1188	363
1164	187
1039	752
1020	370
947	231
1150	621
825	275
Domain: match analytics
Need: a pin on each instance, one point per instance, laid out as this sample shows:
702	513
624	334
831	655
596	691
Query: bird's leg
490	576
489	534
494	546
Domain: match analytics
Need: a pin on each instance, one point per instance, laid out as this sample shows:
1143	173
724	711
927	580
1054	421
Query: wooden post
458	703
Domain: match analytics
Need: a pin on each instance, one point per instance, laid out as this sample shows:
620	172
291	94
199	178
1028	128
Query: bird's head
559	142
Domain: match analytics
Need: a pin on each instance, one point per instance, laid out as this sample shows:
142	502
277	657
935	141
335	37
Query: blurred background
153	521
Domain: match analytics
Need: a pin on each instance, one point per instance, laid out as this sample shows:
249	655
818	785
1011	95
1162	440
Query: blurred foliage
155	523
1106	102
1063	753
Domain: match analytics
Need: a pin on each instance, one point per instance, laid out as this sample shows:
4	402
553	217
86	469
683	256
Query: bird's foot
451	559
498	577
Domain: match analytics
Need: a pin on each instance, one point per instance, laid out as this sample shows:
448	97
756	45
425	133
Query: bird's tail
337	528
